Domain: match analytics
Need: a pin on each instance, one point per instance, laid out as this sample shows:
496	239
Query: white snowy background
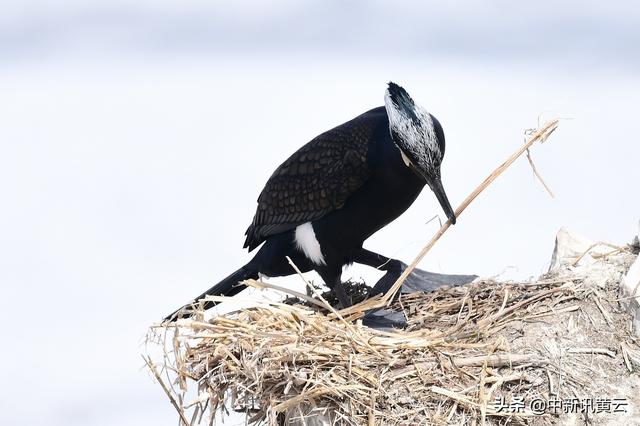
135	137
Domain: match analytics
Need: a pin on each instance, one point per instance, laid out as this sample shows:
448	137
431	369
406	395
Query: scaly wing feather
316	180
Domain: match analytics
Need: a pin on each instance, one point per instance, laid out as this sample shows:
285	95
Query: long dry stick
498	360
540	135
538	175
262	285
592	351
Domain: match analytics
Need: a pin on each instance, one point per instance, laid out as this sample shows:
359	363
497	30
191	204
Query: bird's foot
424	281
384	319
419	281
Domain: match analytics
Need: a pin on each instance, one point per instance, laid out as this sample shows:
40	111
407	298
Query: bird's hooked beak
438	189
436	186
421	144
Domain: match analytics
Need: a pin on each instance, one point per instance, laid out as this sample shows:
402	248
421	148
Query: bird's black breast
317	179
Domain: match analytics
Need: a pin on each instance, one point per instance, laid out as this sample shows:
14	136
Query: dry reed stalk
498	360
539	135
592	351
538	175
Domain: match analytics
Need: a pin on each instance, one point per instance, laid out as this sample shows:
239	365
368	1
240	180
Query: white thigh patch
307	242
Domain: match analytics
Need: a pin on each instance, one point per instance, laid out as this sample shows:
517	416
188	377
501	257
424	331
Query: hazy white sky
134	140
590	33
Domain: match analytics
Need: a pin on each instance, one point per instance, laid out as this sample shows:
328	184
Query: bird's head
420	139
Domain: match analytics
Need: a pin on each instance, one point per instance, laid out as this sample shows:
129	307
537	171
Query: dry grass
463	348
460	351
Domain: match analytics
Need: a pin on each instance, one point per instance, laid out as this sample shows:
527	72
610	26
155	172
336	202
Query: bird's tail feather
227	287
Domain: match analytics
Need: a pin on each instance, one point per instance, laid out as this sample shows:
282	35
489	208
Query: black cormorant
336	191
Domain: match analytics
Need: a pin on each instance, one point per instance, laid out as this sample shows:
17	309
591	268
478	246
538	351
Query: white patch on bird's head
306	241
412	130
406	159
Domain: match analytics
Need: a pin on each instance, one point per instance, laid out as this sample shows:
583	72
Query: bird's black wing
316	180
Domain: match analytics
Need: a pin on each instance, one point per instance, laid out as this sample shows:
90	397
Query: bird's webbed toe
420	280
384	319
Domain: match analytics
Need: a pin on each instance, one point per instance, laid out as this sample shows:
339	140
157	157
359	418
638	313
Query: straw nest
464	348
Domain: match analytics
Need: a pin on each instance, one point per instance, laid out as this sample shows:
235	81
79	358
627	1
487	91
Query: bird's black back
317	179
